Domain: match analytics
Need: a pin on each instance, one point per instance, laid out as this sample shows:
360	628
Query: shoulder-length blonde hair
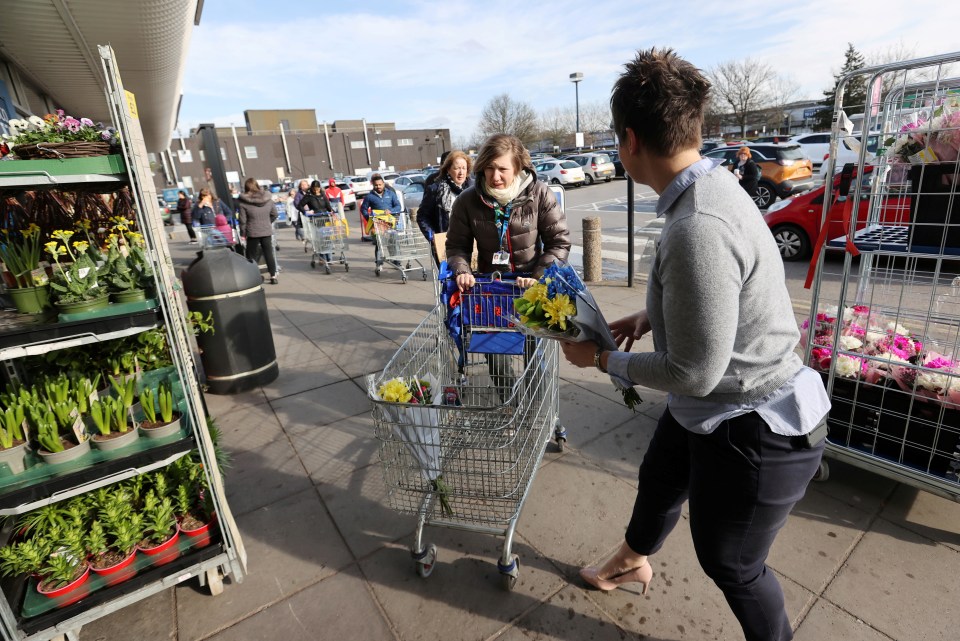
451	158
498	145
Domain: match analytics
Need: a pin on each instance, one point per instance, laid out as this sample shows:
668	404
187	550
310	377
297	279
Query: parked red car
795	222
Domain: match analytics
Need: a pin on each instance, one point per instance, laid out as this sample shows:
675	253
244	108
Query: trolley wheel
215	581
326	267
423	273
427	561
346	267
510	573
560	436
404	277
561	442
313	264
823	472
378	270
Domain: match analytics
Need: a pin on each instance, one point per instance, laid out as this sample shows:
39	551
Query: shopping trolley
399	244
328	240
209	236
468	460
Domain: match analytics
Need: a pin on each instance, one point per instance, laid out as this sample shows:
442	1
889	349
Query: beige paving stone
249	429
323	405
359	351
333	322
290	544
222	404
587	415
927	514
900	583
330	452
826	621
154	621
264	475
567	615
303	376
620	451
861	489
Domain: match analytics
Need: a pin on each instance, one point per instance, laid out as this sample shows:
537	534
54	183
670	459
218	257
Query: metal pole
379	148
236	143
576	91
366	142
303	164
286	152
326	137
166	168
592	260
347	149
630	223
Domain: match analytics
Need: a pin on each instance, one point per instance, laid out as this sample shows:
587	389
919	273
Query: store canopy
53	44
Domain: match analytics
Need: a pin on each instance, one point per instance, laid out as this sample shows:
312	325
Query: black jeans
742	481
262	244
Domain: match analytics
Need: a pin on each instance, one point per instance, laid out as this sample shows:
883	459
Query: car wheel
589	179
792	242
765	195
555	181
352	206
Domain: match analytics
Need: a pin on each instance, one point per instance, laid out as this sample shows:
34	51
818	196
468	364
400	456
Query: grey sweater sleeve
702	276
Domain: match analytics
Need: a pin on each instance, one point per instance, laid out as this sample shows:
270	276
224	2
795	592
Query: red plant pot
200	537
118	572
68	588
165	552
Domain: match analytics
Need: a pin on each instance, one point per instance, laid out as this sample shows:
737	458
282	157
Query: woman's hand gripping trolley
398	244
460	439
325	233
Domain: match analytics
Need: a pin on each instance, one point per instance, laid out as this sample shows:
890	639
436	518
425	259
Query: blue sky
435	64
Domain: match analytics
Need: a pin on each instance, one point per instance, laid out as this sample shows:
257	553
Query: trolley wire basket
326	235
400	245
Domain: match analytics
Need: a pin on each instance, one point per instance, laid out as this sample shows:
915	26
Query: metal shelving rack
225	557
902	268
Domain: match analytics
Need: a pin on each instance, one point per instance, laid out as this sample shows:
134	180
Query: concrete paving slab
330	452
856	487
567	615
323	405
260	477
901	583
154	621
620	451
291	544
327	324
221	404
929	515
339	607
359	351
587	415
827	621
249	429
303	376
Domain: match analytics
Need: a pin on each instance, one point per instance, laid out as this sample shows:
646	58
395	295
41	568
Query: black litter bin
239	354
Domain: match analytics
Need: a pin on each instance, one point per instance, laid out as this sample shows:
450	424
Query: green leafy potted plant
167	422
58	443
113	424
113	549
128	273
26	280
12	441
76	285
160	527
66	567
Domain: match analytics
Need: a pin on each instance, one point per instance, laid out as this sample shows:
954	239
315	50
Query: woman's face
743	156
458	171
501	172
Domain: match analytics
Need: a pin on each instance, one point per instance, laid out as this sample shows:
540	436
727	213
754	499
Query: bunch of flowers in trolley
883	343
55	128
559	306
928	137
937	378
415	391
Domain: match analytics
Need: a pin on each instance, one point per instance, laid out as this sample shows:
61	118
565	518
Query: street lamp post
575	78
302	164
420	151
379	148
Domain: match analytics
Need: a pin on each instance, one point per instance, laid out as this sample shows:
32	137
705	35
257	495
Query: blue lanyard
503	222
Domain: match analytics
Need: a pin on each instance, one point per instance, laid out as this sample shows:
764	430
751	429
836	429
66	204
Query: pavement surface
862	558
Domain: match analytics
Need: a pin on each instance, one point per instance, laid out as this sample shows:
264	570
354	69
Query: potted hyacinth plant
12	440
167	421
26	279
114	427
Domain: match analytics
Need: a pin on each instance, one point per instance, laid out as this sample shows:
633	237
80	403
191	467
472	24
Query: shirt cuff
617	364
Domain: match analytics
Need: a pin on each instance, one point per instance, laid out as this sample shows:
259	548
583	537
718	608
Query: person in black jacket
433	216
185	209
747	171
315	202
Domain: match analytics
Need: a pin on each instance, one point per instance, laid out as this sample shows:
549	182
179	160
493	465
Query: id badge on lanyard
502	257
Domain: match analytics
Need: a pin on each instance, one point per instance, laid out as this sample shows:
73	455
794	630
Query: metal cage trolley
884	325
326	236
467	462
400	244
209	236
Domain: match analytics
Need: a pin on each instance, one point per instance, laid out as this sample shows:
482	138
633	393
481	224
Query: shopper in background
379	201
747	171
433	216
335	196
293	214
256	214
185	209
316	202
738	438
207	207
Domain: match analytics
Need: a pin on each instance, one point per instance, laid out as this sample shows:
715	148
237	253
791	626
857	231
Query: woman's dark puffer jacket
256	213
534	216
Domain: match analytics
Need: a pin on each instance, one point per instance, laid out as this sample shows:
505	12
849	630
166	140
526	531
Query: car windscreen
569	164
790	153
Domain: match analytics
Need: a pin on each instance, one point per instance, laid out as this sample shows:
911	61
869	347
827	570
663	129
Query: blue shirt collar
683	180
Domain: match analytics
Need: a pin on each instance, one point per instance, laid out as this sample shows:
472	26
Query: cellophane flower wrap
561	307
416	424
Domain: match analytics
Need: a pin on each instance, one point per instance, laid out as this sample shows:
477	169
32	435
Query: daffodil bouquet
405	405
76	279
559	306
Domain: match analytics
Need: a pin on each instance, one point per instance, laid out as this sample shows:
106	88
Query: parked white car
848	150
561	172
596	166
815	146
359	185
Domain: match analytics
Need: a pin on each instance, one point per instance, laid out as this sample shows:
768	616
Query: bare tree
595	116
556	124
743	86
508	116
783	90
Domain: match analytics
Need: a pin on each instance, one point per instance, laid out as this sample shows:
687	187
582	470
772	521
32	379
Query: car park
596	166
795	222
164	210
358	184
784	169
815	146
413	194
408	179
707	145
389	177
561	172
618	169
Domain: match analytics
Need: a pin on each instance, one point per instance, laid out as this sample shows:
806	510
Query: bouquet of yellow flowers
560	307
418	427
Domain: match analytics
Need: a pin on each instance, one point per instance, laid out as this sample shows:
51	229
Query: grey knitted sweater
721	316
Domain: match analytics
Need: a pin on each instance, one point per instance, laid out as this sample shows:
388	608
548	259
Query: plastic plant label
79	430
94	396
39	276
25	426
83	271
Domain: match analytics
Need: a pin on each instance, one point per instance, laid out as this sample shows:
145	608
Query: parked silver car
595	167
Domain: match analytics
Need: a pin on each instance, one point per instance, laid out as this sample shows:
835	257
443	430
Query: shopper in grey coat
256	213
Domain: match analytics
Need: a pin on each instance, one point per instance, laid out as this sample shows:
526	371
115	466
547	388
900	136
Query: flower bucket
66	455
70	587
161	430
118	572
30	300
77	307
115	440
13	457
165	552
130	296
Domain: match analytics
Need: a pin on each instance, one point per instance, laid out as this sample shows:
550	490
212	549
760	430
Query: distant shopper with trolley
315	202
740	437
379	202
335	196
256	214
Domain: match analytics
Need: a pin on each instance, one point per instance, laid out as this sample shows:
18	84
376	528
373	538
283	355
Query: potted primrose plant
127	272
167	422
76	285
27	282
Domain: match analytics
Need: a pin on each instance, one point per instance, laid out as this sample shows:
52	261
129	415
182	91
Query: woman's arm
242	219
459	245
427	213
552	226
